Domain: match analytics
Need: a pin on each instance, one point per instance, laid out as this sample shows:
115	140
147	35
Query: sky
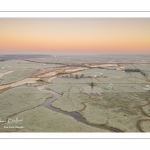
74	35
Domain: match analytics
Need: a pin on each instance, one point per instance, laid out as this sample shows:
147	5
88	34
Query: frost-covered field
109	95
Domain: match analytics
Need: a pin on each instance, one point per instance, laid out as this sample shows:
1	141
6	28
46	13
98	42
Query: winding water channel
75	115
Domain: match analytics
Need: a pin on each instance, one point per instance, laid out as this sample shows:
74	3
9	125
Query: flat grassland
108	97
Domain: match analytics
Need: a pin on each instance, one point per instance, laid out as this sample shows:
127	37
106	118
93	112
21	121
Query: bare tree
76	76
92	84
82	75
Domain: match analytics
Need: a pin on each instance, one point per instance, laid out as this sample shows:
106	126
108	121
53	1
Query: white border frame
73	14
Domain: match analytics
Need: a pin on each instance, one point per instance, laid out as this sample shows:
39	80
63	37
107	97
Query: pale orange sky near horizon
74	35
